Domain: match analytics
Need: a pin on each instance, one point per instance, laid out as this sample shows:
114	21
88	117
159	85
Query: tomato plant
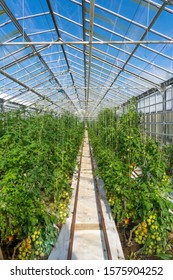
134	199
37	158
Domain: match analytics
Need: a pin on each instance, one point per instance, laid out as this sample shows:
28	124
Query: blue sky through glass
75	72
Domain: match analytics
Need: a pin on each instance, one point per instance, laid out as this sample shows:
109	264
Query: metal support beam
153	90
23	58
91	23
135	49
119	68
120	49
28	41
128	19
63	50
107	73
164	114
152	3
128	53
124	42
84	50
26	86
1	105
134	66
172	110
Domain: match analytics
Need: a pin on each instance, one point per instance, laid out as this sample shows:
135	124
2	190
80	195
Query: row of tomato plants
140	204
37	157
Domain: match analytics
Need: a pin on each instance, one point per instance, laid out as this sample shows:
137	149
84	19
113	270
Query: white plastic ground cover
60	250
113	236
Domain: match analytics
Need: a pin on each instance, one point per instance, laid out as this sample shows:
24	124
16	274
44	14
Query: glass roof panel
38	36
8	32
139	10
3	16
9	56
167	27
101	69
37	25
114	23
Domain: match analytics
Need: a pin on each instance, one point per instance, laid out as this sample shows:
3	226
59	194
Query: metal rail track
98	201
103	225
72	230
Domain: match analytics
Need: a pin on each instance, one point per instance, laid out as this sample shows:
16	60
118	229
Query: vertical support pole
124	109
156	125
164	115
172	111
1	105
150	132
144	115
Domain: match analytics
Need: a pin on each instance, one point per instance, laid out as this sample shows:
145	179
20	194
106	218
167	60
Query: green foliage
37	158
134	200
168	149
106	127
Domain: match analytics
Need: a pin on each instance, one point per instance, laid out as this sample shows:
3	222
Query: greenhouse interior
86	130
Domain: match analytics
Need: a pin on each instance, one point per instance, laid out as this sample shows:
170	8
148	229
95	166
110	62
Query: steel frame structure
99	63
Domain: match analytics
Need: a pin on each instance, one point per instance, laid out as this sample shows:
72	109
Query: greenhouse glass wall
157	109
93	80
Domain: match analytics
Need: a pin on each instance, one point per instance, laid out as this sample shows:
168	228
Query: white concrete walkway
88	241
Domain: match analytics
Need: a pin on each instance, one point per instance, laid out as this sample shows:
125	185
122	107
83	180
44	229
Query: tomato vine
121	147
37	157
